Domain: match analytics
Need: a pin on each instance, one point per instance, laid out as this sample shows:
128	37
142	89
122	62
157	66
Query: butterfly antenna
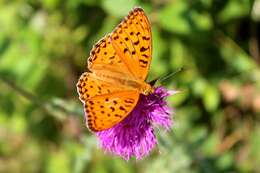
170	75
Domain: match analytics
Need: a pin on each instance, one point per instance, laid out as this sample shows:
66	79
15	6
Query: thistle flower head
134	136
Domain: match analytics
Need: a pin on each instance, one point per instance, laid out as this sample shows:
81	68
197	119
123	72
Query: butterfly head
147	89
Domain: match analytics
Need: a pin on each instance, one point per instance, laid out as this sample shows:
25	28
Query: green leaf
256	11
158	63
209	146
234	9
211	98
58	161
226	160
18	123
199	86
229	49
178	53
202	21
178	98
118	8
51	4
175	18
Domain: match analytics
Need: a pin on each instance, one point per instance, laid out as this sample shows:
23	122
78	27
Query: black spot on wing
122	108
146	38
144	55
136	42
112	109
142	49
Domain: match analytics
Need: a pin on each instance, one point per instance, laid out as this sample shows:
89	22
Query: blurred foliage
44	47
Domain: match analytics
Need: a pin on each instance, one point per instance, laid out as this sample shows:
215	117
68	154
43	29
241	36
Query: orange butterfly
118	65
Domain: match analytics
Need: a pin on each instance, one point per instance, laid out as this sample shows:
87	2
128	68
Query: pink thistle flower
134	136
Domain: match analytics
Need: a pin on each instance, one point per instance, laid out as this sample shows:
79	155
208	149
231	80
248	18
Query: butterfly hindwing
88	86
105	104
105	111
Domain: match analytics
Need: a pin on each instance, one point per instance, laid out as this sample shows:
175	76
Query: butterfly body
118	65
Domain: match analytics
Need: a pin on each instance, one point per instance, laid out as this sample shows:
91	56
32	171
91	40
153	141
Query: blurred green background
44	47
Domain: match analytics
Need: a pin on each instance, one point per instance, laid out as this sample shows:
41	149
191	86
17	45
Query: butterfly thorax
123	81
147	89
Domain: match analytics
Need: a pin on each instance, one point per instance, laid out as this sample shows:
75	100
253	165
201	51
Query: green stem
46	106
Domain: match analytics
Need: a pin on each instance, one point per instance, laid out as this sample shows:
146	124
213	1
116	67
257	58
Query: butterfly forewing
132	41
103	56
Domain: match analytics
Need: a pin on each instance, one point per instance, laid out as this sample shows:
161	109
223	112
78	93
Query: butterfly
118	65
